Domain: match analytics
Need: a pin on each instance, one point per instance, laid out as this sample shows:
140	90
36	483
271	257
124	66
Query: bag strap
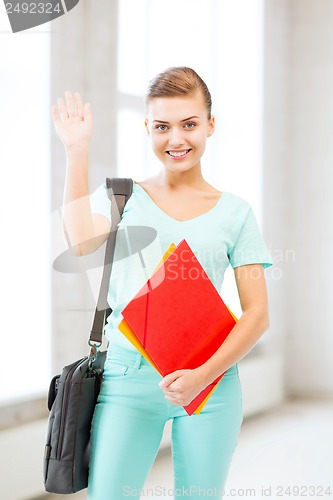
119	190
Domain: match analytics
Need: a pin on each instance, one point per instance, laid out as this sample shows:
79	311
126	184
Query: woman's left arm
181	386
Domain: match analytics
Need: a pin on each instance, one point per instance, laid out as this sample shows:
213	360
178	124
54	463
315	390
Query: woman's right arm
85	232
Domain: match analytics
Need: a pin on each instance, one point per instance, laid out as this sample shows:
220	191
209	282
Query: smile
178	155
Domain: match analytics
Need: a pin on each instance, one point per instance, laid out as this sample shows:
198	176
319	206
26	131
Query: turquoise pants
128	425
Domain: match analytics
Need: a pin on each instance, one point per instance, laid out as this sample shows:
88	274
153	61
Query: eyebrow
185	120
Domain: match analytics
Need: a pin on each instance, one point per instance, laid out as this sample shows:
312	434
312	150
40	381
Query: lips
178	154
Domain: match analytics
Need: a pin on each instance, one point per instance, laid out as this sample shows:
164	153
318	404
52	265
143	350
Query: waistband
136	359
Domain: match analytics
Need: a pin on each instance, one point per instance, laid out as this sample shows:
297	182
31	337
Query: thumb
87	114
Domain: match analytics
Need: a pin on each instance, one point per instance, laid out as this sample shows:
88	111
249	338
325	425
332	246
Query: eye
161	128
190	125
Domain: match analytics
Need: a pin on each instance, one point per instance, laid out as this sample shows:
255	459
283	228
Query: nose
176	138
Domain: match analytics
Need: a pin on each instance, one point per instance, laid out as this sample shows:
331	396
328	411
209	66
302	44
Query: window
223	42
25	213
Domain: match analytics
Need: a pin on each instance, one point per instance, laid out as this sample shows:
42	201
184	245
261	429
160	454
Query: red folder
179	318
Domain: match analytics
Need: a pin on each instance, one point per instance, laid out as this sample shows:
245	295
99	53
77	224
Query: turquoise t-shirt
226	234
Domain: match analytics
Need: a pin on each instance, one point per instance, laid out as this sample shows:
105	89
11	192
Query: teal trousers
128	424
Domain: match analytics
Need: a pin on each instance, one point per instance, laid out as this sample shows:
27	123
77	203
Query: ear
147	126
211	126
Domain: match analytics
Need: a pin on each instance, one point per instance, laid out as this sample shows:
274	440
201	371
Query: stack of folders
178	319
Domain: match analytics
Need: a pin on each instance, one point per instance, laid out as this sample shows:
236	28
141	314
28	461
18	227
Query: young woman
135	403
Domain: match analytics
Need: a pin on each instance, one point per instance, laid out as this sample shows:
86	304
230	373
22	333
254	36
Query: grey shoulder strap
119	190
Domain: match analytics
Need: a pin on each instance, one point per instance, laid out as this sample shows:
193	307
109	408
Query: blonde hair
176	82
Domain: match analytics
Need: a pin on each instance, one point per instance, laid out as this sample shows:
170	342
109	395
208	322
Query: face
178	128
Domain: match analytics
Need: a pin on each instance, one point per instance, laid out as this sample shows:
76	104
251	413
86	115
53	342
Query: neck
188	178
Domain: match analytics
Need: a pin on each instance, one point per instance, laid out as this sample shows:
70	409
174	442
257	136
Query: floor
286	454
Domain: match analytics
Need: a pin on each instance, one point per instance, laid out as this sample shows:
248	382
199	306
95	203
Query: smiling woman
178	125
138	402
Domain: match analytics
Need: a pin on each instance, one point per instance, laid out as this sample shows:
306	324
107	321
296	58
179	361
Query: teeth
178	153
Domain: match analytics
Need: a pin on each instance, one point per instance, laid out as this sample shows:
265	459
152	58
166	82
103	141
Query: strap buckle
94	346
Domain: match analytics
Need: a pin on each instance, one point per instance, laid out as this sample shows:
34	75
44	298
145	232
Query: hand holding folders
178	320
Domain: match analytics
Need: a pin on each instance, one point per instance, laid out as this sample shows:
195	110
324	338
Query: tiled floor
286	454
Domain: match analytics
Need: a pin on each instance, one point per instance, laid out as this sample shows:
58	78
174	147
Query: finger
168	379
62	108
55	114
174	401
171	397
70	103
173	394
78	105
166	382
87	116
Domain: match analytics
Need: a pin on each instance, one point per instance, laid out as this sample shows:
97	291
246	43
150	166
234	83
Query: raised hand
73	120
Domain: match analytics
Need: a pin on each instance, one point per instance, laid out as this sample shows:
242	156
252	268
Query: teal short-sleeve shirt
228	234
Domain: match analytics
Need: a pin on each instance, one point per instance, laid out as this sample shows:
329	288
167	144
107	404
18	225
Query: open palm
73	120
